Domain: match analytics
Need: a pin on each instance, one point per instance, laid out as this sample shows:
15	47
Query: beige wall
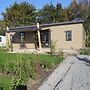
28	45
58	34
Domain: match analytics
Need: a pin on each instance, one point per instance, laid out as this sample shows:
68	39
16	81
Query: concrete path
72	74
78	77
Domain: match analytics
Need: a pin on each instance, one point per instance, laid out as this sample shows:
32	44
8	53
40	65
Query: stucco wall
58	34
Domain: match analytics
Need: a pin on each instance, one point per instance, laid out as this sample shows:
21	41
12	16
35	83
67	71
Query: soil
41	75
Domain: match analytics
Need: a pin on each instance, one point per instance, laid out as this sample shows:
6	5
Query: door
45	34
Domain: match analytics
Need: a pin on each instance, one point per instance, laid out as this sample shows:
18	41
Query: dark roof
34	27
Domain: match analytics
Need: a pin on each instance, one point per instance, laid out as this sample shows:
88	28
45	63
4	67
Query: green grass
8	60
7	57
85	51
5	82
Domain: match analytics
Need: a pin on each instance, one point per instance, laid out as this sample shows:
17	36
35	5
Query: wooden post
39	38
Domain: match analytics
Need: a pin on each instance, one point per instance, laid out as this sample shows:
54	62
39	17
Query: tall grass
22	66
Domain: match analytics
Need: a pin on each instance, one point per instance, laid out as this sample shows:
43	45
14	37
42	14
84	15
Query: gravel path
78	77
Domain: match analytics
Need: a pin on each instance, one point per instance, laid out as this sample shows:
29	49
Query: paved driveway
78	76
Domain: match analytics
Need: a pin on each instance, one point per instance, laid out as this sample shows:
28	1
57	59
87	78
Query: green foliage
2	50
59	13
52	47
1	31
5	82
21	67
87	43
15	82
85	51
2	26
19	14
51	14
2	68
47	14
24	13
74	10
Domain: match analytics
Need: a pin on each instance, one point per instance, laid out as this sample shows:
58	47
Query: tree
85	8
2	26
74	10
59	13
47	14
20	14
65	15
87	29
51	14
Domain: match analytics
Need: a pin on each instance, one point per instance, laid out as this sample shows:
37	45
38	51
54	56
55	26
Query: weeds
21	67
85	51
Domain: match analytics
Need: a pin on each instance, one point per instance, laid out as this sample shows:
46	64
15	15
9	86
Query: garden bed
26	69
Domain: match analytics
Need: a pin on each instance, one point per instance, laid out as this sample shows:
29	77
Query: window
0	39
22	34
68	36
22	37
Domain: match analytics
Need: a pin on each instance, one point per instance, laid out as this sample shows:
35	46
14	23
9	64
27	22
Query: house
2	41
67	35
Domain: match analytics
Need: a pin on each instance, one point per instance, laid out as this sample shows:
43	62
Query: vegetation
5	82
21	67
2	49
85	51
52	47
19	14
26	14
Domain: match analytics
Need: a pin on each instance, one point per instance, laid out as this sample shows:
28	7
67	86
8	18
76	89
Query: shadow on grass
21	87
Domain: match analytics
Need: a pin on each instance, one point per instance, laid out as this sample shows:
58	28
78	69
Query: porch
27	40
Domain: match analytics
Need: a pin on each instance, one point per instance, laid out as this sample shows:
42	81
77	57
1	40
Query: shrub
85	51
2	49
52	47
2	68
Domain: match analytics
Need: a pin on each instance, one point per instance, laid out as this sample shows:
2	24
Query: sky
37	3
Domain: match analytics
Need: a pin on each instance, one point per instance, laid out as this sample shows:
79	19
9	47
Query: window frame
68	35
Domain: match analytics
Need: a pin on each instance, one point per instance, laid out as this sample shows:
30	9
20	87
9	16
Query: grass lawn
8	57
5	82
7	61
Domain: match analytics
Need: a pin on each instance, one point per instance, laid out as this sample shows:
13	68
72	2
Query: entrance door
45	38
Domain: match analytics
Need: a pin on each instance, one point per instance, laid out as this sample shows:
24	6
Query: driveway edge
57	75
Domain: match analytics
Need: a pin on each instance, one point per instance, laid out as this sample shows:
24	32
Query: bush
52	47
2	68
2	49
85	51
